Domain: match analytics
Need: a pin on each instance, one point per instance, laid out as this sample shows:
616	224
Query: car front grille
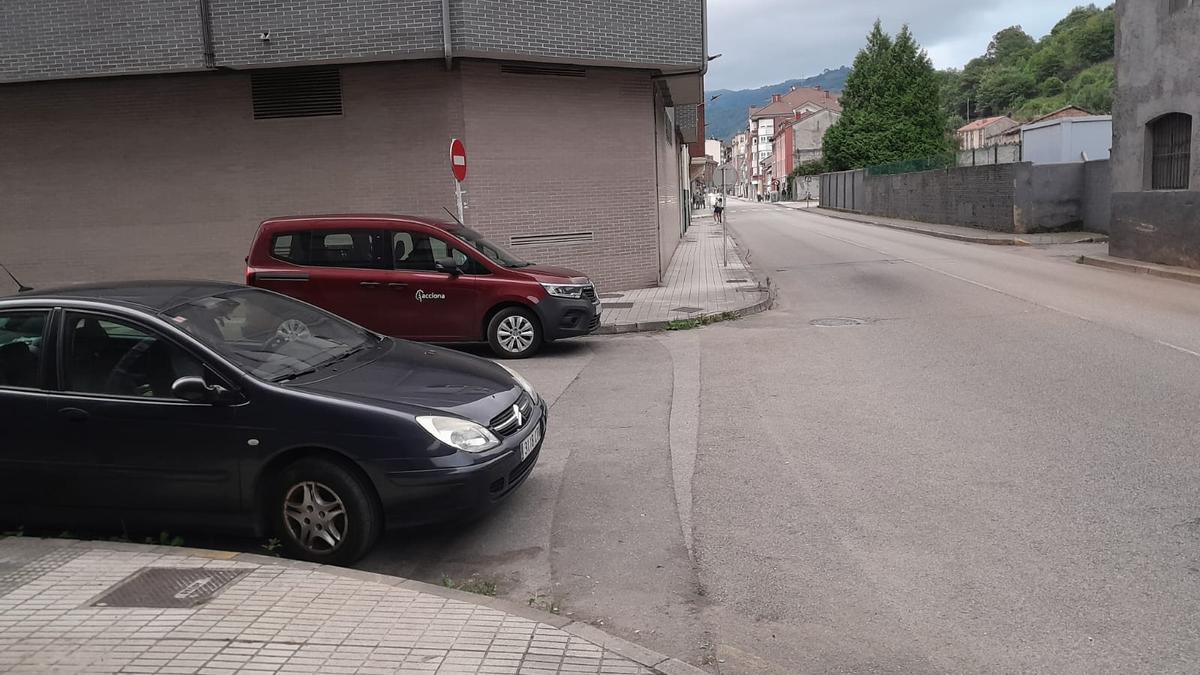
509	422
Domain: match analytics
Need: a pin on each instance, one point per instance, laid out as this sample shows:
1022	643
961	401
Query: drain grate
607	296
737	281
169	587
688	310
837	323
618	305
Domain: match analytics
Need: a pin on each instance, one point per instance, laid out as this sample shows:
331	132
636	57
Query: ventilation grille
311	92
551	239
550	70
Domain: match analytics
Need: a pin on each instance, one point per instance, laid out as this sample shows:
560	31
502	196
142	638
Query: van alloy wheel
516	333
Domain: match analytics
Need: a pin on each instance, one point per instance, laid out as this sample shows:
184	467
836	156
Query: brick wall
50	39
59	39
303	30
630	31
168	176
564	155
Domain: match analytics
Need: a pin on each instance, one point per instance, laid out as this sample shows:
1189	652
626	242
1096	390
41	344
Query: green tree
1052	87
891	106
1010	46
1095	40
1005	87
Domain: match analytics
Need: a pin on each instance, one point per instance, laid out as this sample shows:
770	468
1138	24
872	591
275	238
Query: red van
422	280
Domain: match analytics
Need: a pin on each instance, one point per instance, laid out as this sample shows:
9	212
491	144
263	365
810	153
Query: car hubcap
515	334
316	517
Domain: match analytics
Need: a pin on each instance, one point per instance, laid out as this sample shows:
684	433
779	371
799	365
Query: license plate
531	442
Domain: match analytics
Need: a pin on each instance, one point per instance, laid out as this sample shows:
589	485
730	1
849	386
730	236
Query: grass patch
475	585
707	319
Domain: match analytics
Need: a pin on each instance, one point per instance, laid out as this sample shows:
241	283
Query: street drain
737	281
837	323
609	296
617	305
168	587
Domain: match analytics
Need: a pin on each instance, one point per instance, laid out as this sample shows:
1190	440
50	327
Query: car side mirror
196	390
448	265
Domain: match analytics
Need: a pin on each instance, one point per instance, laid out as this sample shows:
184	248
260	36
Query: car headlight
573	291
459	433
522	382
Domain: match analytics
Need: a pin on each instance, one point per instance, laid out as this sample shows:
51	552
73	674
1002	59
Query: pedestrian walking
719	208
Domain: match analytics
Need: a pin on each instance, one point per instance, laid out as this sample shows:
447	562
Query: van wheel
514	333
323	513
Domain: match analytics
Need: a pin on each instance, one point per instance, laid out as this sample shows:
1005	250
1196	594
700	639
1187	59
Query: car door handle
396	285
73	414
370	284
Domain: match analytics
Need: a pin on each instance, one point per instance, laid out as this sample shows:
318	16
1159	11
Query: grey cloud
766	41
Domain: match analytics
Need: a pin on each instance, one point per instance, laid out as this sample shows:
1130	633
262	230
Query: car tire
514	333
322	512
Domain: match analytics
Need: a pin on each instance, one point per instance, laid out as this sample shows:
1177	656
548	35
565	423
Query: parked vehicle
422	280
226	408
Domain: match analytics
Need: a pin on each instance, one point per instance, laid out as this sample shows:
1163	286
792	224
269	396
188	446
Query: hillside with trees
1025	78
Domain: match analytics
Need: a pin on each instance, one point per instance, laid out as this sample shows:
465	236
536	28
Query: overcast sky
769	41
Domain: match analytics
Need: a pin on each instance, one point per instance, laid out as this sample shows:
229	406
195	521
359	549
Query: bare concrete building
148	138
1155	175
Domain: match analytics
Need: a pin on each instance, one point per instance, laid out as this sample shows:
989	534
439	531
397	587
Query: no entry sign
458	160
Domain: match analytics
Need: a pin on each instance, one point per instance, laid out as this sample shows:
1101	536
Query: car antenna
451	214
21	288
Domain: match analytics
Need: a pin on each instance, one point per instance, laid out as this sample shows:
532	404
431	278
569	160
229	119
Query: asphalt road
991	468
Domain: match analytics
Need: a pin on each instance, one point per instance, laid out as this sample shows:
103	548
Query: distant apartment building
763	125
984	133
1155	172
801	139
144	139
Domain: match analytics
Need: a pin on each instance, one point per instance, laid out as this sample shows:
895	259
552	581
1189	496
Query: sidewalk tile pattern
697	278
274	620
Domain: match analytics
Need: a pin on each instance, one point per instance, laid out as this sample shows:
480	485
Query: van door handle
73	414
370	284
396	285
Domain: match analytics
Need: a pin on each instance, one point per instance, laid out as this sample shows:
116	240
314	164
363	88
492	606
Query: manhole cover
837	323
169	587
618	305
688	310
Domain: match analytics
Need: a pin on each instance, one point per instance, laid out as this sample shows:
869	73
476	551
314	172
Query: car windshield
492	251
270	336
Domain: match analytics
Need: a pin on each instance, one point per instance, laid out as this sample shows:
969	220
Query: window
292	247
110	356
1171	152
348	248
419	251
21	348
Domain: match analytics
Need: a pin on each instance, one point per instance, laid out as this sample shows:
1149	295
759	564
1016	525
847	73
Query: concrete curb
766	299
991	241
647	658
1138	267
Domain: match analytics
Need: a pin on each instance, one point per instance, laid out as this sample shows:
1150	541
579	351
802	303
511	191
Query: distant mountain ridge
726	116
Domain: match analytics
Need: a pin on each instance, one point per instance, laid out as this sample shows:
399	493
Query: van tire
514	333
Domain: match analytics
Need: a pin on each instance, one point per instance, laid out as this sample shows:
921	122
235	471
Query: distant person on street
719	208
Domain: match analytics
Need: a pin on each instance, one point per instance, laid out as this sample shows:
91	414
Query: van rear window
291	247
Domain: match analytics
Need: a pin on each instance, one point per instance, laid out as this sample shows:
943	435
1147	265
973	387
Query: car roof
330	221
154	296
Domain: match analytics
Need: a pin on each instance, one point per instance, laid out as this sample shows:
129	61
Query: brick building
764	123
143	138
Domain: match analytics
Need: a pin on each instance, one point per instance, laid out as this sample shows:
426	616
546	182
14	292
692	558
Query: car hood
408	375
551	274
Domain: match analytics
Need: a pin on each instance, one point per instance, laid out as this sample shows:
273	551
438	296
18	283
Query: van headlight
522	382
573	291
459	433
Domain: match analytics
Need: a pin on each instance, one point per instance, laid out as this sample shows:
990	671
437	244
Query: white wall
1066	140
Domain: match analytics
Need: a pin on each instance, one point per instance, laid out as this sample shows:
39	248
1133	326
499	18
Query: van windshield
487	248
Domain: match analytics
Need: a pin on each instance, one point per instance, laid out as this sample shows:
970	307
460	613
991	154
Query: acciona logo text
422	296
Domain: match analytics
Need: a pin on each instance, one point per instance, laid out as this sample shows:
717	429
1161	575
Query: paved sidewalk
91	607
1140	267
697	284
958	233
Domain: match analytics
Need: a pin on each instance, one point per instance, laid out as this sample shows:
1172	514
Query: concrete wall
979	196
1048	197
43	39
169	176
1157	74
1097	202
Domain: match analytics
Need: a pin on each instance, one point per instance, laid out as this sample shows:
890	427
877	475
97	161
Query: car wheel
514	333
323	513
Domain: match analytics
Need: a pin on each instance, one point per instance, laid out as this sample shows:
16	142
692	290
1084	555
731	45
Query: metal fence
843	190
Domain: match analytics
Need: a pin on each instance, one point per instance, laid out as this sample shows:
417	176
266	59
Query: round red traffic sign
458	160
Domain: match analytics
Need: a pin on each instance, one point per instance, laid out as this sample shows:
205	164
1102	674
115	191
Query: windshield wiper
309	371
292	376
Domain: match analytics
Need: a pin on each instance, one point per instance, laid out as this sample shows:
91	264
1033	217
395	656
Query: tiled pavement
698	282
280	617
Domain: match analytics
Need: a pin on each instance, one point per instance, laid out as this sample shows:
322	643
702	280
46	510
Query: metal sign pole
724	230
458	193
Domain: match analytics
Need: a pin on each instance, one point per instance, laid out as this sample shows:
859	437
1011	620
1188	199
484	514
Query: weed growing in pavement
272	547
165	539
472	585
19	532
688	324
545	604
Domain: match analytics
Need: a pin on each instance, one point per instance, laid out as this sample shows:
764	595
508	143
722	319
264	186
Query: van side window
419	251
346	248
291	247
